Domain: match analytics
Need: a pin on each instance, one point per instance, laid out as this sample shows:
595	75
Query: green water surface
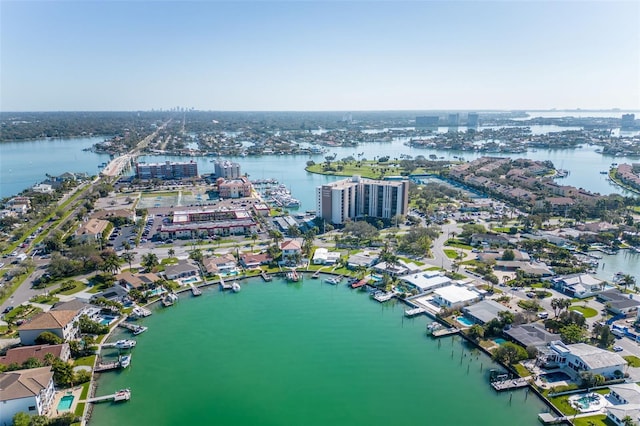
306	354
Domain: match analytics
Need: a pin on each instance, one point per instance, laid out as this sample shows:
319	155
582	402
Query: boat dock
107	366
265	276
195	290
140	312
134	328
121	395
442	332
502	385
413	312
383	297
225	286
316	275
359	284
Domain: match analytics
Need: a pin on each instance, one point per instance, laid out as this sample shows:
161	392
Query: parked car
618	348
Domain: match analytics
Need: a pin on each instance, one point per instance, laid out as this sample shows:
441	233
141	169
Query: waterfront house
398	269
427	281
484	311
323	256
579	285
580	357
20	354
625	401
533	334
183	269
254	260
61	320
30	391
361	260
454	296
140	282
220	264
291	251
42	188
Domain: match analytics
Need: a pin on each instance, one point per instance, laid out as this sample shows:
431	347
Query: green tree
128	257
510	353
48	338
171	252
32	362
196	255
508	254
62	373
21	419
476	331
150	260
571	333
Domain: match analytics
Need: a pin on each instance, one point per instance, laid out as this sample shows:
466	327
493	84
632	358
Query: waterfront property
579	285
21	354
167	170
484	311
360	197
455	296
582	357
30	391
427	281
624	402
183	269
323	256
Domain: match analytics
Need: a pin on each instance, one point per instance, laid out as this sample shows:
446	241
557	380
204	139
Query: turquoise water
499	341
65	402
303	354
464	321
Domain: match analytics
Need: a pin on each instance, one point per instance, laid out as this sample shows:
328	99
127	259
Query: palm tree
254	238
628	280
150	260
128	257
171	252
111	264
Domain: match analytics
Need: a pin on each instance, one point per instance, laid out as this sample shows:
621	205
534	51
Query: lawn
597	420
45	299
451	254
585	311
77	286
562	404
85	360
633	360
522	370
457	244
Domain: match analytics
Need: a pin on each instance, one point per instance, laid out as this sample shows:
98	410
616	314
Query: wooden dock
195	290
413	312
121	395
224	286
106	367
383	297
134	328
445	332
359	284
265	276
503	385
316	275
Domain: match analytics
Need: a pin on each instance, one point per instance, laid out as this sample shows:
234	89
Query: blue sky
313	55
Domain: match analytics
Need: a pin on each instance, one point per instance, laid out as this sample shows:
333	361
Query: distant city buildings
227	169
358	197
453	120
628	121
428	121
472	120
167	170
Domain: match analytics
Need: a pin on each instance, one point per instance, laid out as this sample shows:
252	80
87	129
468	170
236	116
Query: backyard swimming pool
65	403
464	321
556	376
190	280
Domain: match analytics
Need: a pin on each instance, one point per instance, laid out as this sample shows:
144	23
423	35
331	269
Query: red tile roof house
291	251
251	260
21	354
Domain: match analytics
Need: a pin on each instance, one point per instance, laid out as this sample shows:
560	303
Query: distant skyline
319	55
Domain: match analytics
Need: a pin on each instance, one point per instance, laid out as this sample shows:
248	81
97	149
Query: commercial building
428	121
358	197
93	230
472	120
628	121
227	169
209	222
30	391
167	170
234	187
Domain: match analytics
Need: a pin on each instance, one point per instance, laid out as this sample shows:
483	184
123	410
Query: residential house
323	256
254	260
42	188
183	269
20	354
453	296
291	251
619	303
427	281
489	239
624	402
220	264
579	285
533	334
140	282
484	311
580	357
93	230
30	391
361	260
61	322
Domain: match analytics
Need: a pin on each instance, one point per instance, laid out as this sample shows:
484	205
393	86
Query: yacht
125	361
125	344
235	287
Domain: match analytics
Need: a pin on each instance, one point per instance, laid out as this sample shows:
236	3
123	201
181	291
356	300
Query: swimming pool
190	280
107	320
587	402
65	403
557	376
464	321
499	341
230	273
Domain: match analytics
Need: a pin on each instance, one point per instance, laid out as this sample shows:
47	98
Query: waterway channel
311	354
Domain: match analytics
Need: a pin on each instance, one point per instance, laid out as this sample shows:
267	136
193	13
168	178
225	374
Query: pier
503	385
445	332
134	328
121	395
413	312
224	286
107	367
195	290
265	276
383	297
359	284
